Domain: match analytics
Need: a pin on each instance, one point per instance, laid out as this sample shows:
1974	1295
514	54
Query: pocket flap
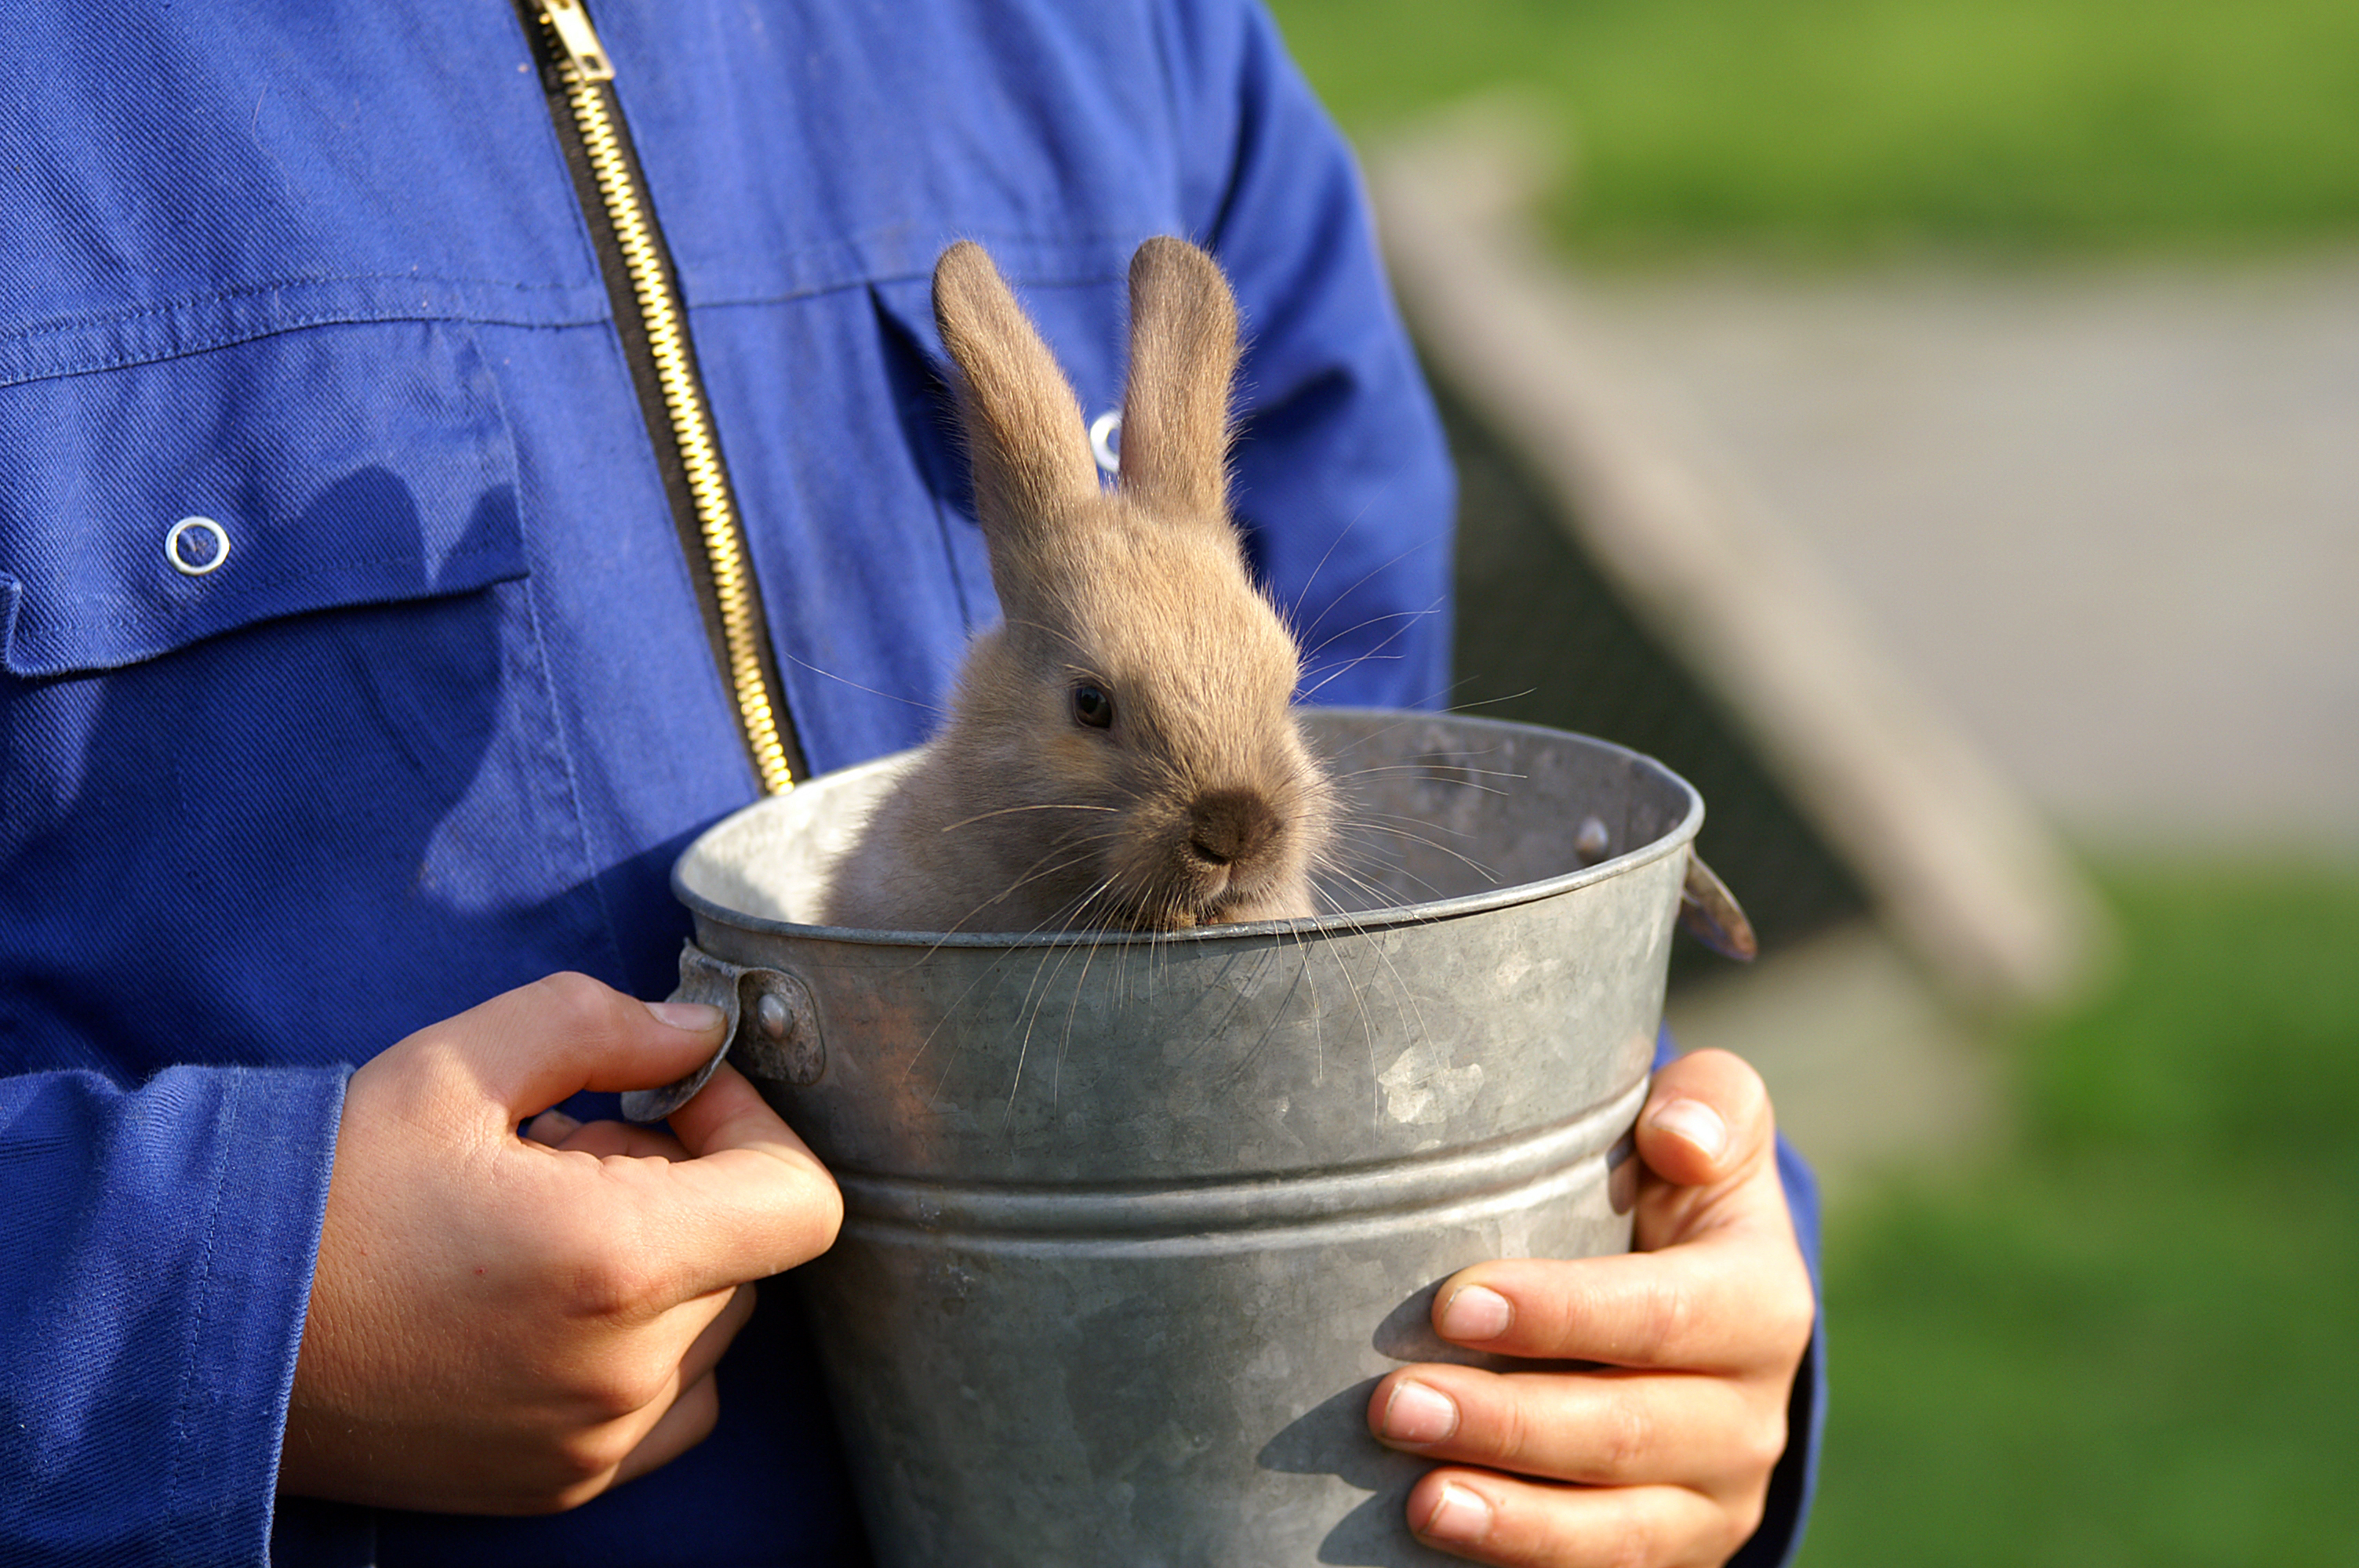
1079	311
333	466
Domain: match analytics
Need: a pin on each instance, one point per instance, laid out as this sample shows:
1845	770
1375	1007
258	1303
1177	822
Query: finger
551	1127
604	1137
686	1422
730	1113
751	1201
1735	1299
1489	1517
1602	1428
1708	1141
534	1047
704	1352
655	1432
698	1333
1707	1119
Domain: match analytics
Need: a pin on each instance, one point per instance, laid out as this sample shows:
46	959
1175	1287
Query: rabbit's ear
1183	357
1030	450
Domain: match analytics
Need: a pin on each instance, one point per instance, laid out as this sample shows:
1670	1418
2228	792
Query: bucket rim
1349	922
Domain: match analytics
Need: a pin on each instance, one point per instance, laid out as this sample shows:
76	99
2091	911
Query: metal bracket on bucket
769	1023
1708	911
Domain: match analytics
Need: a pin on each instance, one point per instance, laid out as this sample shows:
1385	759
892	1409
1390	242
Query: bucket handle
769	1021
1710	914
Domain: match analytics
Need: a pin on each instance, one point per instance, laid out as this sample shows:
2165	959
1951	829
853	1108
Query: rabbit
1120	752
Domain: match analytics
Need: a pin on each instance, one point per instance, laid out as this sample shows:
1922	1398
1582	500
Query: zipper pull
579	39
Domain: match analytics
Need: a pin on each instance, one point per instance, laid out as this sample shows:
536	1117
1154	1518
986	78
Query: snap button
1105	431
195	558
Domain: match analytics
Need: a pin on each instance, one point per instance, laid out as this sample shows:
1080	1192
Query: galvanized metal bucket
1134	1223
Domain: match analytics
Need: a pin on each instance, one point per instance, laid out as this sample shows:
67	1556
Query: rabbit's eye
1092	706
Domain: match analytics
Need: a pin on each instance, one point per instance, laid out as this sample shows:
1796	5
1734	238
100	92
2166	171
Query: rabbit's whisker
927	1045
1382	895
1406	621
1060	636
1477	867
1304	594
993	968
1065	1040
1036	872
1401	991
1377	895
1024	1047
1012	810
1334	637
1364	579
1373	817
933	708
1493	701
1428	767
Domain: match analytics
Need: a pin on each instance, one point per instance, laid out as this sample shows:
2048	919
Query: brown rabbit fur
1121	751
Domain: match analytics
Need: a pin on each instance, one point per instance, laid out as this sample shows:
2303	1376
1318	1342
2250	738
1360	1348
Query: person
355	699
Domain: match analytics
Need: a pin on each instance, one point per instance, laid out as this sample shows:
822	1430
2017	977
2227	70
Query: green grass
1836	128
2133	1340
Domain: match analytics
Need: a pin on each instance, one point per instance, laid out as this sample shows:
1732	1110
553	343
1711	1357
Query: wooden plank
1955	861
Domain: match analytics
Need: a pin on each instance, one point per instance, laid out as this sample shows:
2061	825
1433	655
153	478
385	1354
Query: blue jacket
445	712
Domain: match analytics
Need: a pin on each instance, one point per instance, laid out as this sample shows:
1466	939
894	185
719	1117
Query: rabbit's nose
1230	825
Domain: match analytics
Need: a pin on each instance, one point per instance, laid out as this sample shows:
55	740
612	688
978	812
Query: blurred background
1932	426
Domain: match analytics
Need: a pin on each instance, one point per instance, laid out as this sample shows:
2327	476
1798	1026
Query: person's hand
502	1325
1662	1454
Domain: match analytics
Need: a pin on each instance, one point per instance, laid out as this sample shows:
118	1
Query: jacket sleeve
1795	1478
159	1248
1343	479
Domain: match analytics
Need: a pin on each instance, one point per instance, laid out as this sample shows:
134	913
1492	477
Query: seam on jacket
180	634
59	368
799	296
32	366
307	1271
1081	275
288	580
567	776
50	325
190	1380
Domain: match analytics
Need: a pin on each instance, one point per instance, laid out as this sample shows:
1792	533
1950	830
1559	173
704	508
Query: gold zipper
583	69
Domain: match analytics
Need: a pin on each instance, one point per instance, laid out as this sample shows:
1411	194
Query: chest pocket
295	762
1084	318
155	505
1082	314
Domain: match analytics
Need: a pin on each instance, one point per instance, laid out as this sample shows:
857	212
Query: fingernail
1695	1121
1418	1416
692	1016
1477	1313
551	1127
1461	1516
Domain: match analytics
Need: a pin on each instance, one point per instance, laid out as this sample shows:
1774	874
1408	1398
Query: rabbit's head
1125	739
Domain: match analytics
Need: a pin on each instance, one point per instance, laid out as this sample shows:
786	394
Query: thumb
1707	1119
530	1048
